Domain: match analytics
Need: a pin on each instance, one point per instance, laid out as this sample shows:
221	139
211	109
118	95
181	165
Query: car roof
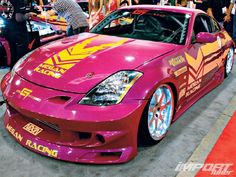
177	9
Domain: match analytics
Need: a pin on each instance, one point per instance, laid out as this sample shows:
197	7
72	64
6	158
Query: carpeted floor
222	159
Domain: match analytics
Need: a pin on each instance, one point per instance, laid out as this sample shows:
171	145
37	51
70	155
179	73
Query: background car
40	33
93	98
59	21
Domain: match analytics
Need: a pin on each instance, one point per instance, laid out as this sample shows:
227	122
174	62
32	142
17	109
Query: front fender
154	74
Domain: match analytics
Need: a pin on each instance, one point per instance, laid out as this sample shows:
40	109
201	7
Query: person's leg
69	31
10	38
84	29
76	31
22	49
234	28
22	42
229	26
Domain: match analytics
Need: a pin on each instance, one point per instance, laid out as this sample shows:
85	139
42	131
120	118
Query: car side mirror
205	37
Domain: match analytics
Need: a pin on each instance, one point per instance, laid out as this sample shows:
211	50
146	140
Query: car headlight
19	62
112	90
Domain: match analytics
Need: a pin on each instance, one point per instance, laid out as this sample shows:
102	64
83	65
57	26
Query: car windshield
154	25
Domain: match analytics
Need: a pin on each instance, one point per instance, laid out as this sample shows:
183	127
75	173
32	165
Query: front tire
157	116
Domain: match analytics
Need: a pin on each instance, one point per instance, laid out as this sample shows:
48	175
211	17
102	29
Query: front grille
51	125
48	124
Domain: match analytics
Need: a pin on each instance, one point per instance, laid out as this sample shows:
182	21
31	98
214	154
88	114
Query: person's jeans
234	28
70	31
18	41
229	26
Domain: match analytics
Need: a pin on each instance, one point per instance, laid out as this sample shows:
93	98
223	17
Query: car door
195	57
212	52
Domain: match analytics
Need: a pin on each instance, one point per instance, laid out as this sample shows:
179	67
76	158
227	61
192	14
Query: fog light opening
85	135
100	138
117	154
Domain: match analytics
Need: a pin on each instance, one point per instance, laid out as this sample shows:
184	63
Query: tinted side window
207	23
215	26
200	25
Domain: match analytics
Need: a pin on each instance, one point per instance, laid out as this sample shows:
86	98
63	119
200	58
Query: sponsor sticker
25	92
32	129
181	71
41	148
176	61
14	133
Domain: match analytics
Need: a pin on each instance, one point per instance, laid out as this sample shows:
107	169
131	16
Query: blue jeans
70	31
234	29
229	26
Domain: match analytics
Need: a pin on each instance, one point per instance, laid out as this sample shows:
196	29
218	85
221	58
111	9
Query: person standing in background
232	18
145	2
217	9
40	2
111	5
17	34
182	3
44	2
139	2
95	12
135	2
202	5
125	3
228	20
73	14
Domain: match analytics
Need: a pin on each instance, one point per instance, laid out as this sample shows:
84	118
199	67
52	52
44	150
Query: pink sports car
93	97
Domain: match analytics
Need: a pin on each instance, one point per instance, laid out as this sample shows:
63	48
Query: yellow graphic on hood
57	65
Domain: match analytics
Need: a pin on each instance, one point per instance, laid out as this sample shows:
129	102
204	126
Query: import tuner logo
213	168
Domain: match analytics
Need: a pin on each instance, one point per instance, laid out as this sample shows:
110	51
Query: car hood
78	63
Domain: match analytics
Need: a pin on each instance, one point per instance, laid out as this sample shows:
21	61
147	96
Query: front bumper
51	123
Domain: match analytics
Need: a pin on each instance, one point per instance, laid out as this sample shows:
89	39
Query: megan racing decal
60	63
30	144
14	133
41	148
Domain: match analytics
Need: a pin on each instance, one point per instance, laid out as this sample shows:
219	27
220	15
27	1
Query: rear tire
157	116
229	62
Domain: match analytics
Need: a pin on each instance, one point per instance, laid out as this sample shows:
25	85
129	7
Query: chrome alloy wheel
160	112
229	61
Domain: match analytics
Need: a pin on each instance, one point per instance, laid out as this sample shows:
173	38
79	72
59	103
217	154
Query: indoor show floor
190	138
